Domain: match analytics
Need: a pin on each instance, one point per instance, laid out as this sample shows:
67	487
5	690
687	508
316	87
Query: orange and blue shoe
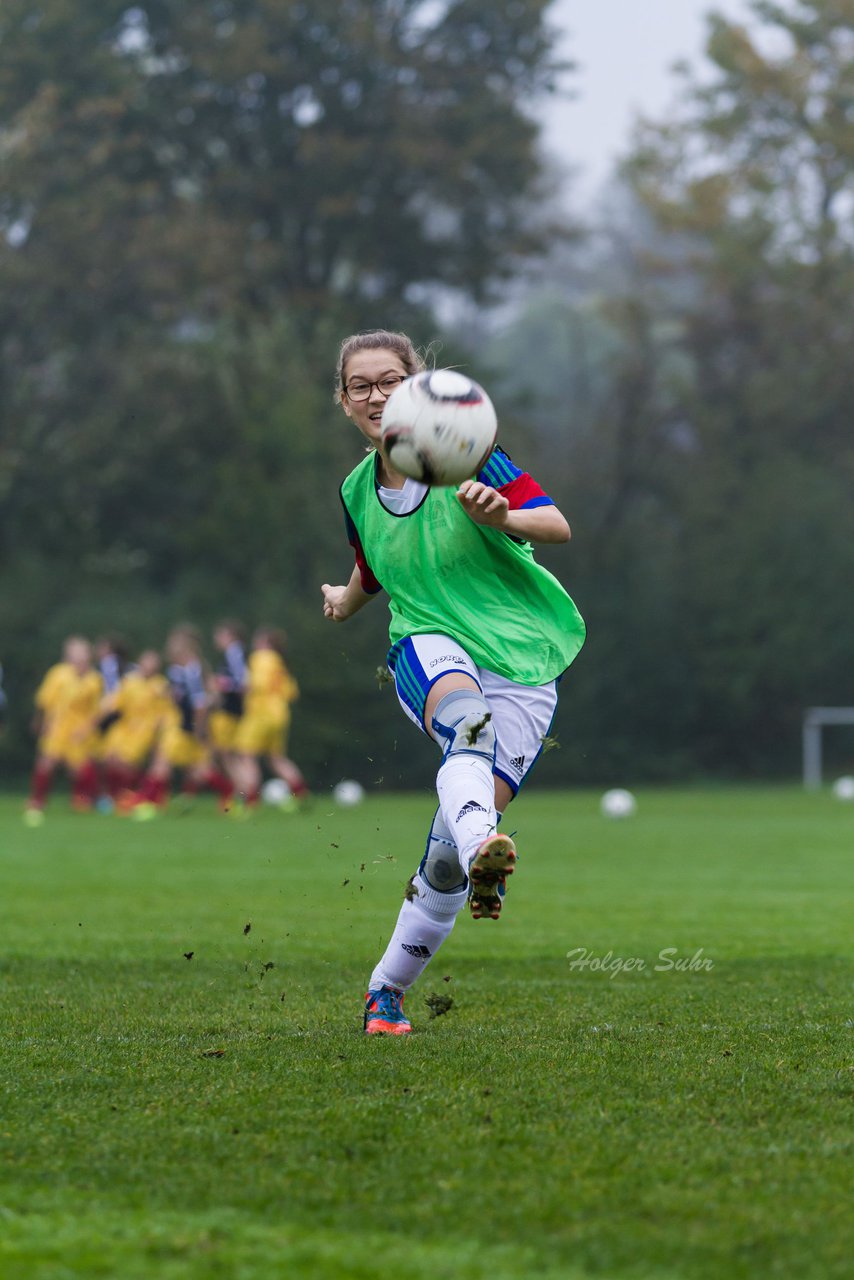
384	1014
494	861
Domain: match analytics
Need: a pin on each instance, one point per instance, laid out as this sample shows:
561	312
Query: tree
197	200
703	446
352	150
756	183
174	168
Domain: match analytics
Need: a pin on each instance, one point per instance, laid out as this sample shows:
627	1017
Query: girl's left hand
483	504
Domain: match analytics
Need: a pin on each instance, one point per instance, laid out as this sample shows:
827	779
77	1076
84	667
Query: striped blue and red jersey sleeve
520	489
500	473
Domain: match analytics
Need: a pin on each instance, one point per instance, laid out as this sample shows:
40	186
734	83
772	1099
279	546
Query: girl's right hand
335	603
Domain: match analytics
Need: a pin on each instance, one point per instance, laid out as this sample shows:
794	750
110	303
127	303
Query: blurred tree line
198	200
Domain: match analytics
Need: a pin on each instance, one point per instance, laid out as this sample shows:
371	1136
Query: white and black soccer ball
618	803
348	793
439	427
843	788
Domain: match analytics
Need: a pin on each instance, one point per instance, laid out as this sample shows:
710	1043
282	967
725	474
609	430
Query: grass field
186	1091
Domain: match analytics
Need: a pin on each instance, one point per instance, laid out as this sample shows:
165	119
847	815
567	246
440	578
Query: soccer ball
843	788
348	793
439	427
275	791
618	804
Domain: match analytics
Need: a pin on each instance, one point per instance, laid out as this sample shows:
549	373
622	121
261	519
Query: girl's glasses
360	388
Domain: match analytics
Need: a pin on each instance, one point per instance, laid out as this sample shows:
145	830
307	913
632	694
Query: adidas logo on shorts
517	763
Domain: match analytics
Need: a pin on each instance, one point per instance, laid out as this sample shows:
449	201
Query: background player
67	704
262	734
227	689
181	742
140	706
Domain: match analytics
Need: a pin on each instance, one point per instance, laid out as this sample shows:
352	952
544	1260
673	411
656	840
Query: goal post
815	720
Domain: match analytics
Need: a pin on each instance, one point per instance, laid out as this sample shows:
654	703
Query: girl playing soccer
480	636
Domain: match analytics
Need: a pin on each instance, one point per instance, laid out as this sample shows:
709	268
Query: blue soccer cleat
384	1014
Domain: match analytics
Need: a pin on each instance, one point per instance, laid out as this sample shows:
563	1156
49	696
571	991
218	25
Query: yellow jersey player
262	733
67	701
181	743
140	706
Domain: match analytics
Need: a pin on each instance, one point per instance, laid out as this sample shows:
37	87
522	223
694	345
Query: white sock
418	935
466	790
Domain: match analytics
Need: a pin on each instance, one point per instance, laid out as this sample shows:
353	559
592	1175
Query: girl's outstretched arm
485	505
340	603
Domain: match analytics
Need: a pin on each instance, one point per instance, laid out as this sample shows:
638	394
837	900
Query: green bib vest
445	574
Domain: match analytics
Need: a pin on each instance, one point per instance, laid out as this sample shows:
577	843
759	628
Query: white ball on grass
843	788
618	803
275	791
348	793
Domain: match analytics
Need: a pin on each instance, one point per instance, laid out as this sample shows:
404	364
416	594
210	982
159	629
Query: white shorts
522	714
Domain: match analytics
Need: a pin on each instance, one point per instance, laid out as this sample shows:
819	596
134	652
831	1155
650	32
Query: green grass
556	1122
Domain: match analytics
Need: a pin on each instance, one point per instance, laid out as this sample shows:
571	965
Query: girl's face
370	368
149	663
179	649
78	654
